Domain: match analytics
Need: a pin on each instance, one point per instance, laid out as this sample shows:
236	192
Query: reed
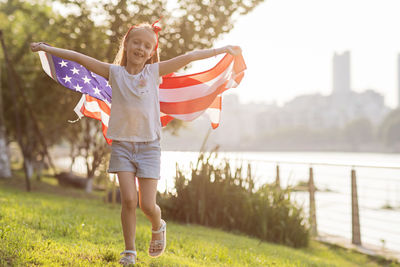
218	195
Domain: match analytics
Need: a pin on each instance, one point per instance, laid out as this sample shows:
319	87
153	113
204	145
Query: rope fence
360	203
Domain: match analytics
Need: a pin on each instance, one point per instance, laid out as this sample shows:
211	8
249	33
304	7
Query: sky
288	47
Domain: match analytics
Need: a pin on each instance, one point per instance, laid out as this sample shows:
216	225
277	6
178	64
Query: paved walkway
367	249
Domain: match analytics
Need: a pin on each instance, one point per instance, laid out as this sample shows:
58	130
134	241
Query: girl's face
140	46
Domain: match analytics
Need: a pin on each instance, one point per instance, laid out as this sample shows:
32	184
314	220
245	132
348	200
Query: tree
390	130
358	131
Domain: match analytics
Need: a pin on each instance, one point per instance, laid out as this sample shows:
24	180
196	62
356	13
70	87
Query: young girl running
134	124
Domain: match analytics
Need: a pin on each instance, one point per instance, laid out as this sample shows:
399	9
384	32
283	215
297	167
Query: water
377	187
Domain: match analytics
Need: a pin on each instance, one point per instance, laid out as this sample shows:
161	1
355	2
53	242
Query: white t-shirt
135	108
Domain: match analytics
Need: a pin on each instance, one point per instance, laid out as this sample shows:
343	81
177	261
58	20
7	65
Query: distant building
341	73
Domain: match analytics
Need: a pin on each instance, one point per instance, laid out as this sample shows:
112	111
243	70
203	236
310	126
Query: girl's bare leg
129	201
147	203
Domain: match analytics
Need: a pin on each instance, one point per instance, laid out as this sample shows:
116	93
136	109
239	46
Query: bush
219	197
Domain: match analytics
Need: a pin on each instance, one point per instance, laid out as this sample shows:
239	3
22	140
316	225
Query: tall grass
219	196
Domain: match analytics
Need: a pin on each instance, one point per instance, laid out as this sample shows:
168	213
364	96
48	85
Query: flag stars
67	79
93	74
108	85
75	70
78	88
86	79
96	90
63	63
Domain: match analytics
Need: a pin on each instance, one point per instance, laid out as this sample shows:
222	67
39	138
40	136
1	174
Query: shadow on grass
47	184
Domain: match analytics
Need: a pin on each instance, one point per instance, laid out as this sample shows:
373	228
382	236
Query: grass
52	226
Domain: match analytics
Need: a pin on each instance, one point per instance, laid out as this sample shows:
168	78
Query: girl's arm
174	64
92	64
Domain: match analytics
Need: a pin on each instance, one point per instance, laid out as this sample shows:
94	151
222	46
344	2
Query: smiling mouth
138	54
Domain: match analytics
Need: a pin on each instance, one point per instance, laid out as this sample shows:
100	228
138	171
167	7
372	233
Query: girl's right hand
233	50
35	47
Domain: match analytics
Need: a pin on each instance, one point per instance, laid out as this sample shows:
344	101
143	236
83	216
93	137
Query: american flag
183	97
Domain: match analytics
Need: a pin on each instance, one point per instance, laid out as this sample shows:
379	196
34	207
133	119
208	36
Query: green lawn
63	227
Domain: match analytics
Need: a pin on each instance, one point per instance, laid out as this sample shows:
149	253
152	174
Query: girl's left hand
233	50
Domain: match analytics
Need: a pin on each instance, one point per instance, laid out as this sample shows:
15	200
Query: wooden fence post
313	217
277	179
355	216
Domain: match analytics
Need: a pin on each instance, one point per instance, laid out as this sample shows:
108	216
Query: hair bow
156	30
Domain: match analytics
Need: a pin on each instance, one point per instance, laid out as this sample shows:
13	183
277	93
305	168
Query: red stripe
216	103
197	78
193	105
104	129
165	120
239	65
94	115
214	125
97	116
239	77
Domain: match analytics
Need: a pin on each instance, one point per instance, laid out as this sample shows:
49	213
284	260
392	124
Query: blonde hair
121	58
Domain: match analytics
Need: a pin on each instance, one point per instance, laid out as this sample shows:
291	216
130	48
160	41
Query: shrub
219	197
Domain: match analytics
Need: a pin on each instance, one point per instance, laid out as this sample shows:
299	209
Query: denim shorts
141	158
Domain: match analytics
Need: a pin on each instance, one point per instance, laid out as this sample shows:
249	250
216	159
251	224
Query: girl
134	124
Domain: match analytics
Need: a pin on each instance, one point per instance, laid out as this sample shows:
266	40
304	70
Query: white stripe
187	116
214	114
196	91
78	107
45	63
93	106
231	84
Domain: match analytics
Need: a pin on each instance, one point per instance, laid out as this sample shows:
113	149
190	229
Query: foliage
60	227
358	132
219	197
390	130
49	108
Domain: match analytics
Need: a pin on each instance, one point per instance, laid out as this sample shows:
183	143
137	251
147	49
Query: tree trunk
5	169
28	168
39	166
89	185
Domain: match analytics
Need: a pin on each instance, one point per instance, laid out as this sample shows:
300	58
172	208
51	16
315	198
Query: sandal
128	259
157	247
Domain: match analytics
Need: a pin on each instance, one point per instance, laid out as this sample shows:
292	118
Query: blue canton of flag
77	78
